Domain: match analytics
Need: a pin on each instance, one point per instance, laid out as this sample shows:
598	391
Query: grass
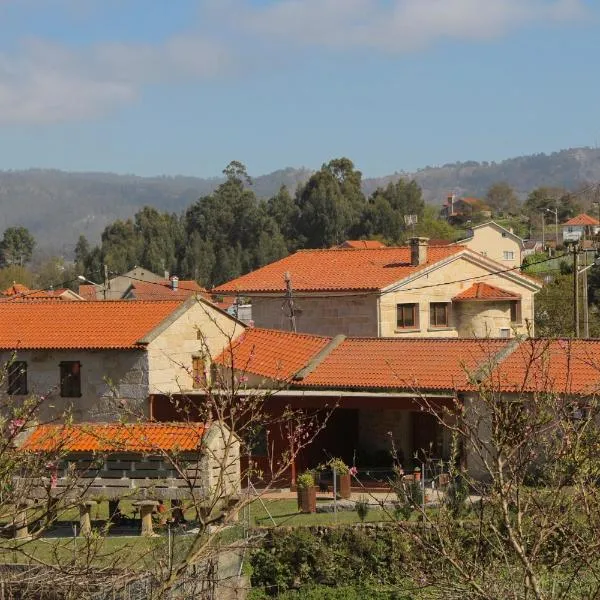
137	553
285	512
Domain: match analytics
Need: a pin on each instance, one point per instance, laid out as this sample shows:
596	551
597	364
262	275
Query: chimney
418	250
174	283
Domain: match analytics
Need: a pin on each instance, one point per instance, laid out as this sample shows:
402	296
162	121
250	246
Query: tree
16	246
329	204
433	227
554	308
502	198
387	208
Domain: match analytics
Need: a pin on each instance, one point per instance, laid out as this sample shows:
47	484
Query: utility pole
575	290
106	283
543	231
584	299
289	296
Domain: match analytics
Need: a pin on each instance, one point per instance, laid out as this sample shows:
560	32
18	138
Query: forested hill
58	206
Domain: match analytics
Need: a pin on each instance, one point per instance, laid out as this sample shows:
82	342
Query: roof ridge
318	358
292	333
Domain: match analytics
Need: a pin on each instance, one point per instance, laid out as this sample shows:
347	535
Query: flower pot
307	499
343	486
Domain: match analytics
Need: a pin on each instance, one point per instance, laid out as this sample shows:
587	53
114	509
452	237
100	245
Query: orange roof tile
582	219
82	325
162	290
362	244
341	269
388	363
485	291
272	354
560	366
116	437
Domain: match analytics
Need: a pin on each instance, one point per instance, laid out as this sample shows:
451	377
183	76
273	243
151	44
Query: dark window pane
17	378
70	379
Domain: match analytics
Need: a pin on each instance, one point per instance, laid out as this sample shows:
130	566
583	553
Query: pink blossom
15	426
353	471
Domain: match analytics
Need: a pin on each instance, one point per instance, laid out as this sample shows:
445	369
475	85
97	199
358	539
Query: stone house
495	242
87	356
417	290
379	387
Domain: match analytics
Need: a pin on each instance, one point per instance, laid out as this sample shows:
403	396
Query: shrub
362	508
306	480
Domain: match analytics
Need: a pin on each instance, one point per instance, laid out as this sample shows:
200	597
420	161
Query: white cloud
398	25
46	82
42	81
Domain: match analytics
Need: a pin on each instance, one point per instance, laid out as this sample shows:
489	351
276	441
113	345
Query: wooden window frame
70	379
17	378
401	322
433	306
198	373
516	315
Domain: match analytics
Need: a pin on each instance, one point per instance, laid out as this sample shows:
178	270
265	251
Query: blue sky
185	86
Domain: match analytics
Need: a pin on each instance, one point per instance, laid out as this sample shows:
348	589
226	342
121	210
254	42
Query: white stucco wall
492	241
106	376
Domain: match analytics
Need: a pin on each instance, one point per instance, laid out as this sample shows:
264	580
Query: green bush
350	555
332	593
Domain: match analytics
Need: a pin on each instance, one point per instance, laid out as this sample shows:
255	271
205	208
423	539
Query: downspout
379	315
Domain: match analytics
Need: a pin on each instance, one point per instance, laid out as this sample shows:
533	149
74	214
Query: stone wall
351	315
483	319
170	355
443	284
105	377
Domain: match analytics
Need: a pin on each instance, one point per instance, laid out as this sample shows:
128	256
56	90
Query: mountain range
58	206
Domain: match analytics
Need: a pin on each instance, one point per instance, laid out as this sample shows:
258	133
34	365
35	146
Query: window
407	316
70	379
17	378
439	314
505	332
515	311
509	255
198	374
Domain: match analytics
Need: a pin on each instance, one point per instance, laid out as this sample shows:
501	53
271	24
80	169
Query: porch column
85	517
146	507
20	522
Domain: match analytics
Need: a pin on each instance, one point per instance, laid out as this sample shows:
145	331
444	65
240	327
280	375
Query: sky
171	87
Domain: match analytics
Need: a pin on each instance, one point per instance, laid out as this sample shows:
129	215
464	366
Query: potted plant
307	492
342	476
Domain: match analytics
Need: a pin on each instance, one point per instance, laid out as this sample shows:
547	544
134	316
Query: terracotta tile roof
582	219
82	325
337	269
272	354
485	291
162	290
386	363
362	244
571	366
116	437
18	291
